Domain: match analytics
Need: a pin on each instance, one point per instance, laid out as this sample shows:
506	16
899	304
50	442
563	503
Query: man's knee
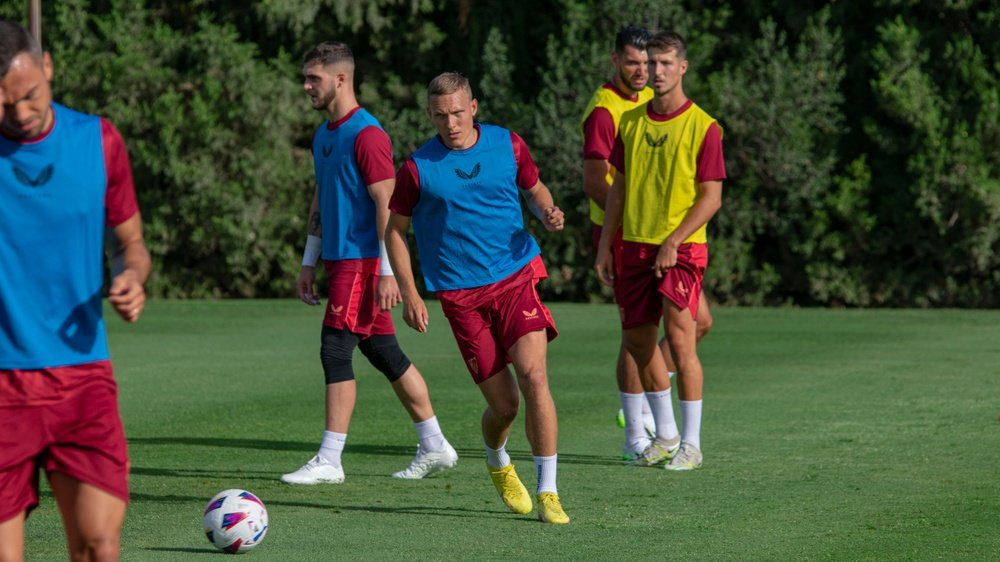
705	322
103	545
384	353
336	354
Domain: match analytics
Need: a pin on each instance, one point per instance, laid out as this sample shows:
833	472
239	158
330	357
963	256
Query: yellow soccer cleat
512	491
550	510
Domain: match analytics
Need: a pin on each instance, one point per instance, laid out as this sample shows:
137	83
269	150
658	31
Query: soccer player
626	90
668	184
355	174
461	190
65	179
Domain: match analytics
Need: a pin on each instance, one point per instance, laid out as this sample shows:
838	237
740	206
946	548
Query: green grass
828	434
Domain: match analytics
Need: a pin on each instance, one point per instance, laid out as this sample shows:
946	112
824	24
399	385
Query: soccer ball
235	521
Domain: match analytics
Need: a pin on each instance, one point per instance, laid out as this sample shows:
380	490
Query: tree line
861	138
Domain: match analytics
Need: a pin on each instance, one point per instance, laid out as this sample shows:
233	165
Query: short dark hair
668	40
328	52
448	83
15	40
631	36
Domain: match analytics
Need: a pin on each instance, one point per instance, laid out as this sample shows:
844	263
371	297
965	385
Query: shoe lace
685	455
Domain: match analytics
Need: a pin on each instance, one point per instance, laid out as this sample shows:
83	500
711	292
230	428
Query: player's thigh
12	538
528	353
641	341
681	328
89	513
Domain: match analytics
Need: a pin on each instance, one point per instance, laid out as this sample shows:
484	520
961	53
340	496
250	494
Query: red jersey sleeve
373	153
617	156
527	171
119	198
407	190
598	134
711	164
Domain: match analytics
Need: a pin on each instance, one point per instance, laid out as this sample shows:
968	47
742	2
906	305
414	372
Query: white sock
632	408
691	418
429	432
663	412
546	469
332	446
497	458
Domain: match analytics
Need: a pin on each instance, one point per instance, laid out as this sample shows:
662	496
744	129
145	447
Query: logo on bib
470	174
655	143
43	177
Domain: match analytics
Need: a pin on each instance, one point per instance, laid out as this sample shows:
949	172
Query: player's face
27	107
320	83
630	66
454	117
665	70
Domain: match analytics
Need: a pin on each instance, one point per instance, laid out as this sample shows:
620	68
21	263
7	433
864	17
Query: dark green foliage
861	139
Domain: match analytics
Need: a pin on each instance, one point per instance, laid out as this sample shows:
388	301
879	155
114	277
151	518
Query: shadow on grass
356	448
398	510
208	551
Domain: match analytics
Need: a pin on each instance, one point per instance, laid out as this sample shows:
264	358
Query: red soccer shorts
616	245
639	293
352	299
538	268
63	419
488	320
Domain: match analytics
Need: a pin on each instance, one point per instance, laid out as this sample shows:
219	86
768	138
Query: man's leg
704	321
528	355
92	517
641	342
682	332
336	352
411	389
340	399
502	402
12	539
434	453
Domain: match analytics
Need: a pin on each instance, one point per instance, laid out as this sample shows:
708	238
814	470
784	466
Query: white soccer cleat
688	458
632	451
316	471
426	463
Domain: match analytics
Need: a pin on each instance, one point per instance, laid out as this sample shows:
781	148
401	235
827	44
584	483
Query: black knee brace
384	354
336	351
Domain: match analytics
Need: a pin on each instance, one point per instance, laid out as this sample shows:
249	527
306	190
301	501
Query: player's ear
474	105
47	65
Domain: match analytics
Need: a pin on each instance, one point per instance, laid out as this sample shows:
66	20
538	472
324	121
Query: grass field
828	434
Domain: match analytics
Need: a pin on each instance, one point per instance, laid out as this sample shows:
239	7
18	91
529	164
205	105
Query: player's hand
388	292
665	258
307	279
415	314
604	265
127	295
554	219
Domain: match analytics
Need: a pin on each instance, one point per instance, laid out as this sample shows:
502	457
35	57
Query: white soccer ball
235	521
